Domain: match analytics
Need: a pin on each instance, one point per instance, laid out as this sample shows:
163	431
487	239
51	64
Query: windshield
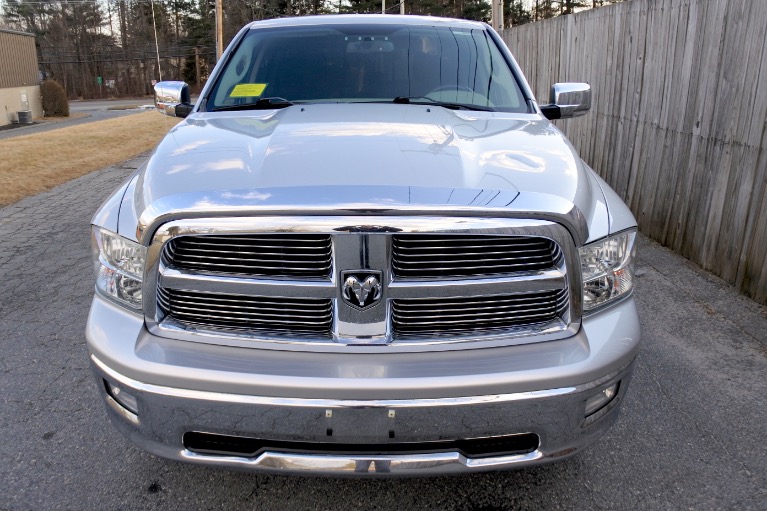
367	63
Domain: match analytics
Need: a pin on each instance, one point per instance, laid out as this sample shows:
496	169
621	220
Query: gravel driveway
693	434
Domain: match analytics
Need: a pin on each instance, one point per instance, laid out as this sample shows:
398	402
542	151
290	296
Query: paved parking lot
82	112
693	434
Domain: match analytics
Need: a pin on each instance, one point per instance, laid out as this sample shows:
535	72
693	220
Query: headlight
607	267
119	265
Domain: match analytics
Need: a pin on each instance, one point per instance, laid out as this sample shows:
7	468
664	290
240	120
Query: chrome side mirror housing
568	100
173	98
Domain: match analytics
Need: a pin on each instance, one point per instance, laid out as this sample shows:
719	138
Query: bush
55	102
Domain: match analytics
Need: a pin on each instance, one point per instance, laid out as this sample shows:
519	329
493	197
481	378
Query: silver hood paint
363	157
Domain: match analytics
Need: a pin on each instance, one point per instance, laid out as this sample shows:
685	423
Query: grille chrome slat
422	317
245	322
295	288
181	259
253	315
271	238
484	301
276	318
278	333
214	243
426	268
483	249
470	302
191	252
227	306
206	297
181	311
544	309
267	255
462	239
461	242
509	254
486	257
426	256
470	320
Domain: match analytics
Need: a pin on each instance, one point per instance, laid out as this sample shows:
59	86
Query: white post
402	7
383	6
219	29
156	46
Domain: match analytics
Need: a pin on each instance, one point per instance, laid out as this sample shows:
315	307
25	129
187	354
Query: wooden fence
678	125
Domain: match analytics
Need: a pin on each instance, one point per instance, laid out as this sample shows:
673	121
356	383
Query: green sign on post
99	80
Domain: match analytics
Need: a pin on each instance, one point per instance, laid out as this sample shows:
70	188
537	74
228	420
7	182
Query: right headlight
119	265
607	267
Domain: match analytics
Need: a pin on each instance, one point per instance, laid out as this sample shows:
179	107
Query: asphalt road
93	110
692	435
98	105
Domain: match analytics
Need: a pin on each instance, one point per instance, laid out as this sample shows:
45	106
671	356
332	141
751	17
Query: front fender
108	214
620	216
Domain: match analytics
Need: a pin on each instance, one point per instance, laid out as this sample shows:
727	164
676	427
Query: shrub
55	102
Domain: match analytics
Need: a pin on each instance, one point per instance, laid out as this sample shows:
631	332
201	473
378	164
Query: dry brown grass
31	164
74	115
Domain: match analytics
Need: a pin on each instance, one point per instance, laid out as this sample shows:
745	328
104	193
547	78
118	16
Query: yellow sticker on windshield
248	90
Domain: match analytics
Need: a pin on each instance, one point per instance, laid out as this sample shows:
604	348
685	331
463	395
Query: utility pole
402	7
383	6
496	12
197	66
220	29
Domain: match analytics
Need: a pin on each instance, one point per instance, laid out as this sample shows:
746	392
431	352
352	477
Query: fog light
600	400
127	401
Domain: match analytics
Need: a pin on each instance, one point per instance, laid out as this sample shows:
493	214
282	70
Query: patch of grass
76	115
31	164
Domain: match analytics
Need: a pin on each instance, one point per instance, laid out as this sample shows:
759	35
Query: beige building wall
12	100
19	76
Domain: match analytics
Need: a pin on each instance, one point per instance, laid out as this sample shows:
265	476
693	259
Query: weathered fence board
679	122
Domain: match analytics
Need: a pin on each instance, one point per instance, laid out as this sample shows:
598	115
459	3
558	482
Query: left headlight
607	267
119	265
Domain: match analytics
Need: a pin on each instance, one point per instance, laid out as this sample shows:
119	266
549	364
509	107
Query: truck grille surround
365	285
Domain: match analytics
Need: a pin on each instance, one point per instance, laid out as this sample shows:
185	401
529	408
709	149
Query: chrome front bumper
441	396
555	415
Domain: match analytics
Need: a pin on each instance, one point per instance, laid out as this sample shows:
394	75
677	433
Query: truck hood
377	152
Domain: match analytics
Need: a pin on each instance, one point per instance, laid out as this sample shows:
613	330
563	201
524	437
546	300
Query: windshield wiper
424	100
261	104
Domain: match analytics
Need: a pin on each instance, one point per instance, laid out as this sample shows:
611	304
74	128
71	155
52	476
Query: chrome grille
456	256
272	255
490	278
248	314
475	314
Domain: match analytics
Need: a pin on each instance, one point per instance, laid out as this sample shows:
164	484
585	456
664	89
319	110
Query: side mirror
568	100
173	98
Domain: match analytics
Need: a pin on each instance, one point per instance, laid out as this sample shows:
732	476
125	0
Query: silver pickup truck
364	250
